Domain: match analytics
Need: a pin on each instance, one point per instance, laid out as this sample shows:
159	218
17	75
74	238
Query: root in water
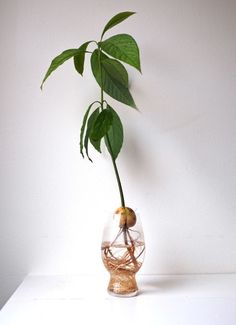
125	255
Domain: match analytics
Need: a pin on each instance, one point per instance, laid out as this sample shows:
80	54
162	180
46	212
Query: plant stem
116	173
108	140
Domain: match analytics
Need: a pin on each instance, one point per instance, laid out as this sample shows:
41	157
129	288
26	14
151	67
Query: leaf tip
134	106
131	12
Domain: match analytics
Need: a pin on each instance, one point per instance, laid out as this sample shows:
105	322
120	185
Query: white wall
178	161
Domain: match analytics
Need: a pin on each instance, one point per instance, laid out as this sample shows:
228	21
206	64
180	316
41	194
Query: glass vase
123	251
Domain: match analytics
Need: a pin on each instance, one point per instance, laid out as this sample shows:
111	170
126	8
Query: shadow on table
160	285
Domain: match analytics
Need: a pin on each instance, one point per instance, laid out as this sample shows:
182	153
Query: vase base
123	295
122	284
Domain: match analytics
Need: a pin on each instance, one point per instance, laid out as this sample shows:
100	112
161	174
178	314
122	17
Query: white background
179	156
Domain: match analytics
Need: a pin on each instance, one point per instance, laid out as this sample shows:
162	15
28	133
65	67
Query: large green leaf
90	123
79	58
123	47
102	125
116	20
83	128
96	144
59	60
112	77
115	135
115	69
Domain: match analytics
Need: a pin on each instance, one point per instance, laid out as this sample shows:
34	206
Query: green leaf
96	144
123	47
59	60
114	77
102	125
83	128
116	70
79	58
90	123
115	135
116	20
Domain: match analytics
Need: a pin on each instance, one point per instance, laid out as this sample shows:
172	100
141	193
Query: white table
163	300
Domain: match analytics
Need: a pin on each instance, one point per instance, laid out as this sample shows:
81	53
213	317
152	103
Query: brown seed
127	217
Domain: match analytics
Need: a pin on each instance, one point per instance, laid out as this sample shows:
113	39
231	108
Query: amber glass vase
123	251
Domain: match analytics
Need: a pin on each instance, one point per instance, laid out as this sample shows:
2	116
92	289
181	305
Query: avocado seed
127	217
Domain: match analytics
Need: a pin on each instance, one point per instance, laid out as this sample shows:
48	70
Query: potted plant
123	242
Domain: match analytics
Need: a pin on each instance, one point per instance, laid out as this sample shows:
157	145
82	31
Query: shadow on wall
180	154
8	285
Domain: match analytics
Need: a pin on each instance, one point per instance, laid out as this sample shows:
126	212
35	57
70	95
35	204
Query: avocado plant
101	121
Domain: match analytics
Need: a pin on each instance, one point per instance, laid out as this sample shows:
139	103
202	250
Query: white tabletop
163	300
